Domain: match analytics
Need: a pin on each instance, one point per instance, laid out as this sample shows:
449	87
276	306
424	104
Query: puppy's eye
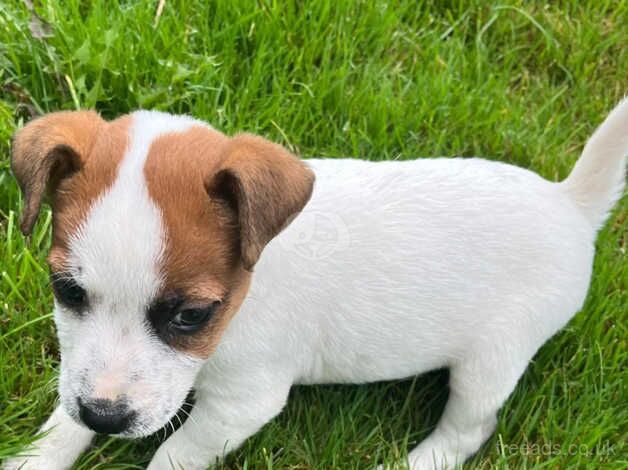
68	292
190	320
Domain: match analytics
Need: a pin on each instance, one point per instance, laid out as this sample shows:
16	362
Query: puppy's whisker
190	417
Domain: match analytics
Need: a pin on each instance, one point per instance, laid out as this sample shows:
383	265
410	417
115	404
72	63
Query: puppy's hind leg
478	387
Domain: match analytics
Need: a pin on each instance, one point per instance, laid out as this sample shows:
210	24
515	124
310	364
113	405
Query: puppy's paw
181	454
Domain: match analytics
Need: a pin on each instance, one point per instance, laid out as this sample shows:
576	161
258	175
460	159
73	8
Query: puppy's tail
597	180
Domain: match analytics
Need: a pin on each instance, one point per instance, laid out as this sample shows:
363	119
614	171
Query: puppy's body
390	270
397	268
427	262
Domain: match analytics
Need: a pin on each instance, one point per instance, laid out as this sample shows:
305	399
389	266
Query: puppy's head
158	221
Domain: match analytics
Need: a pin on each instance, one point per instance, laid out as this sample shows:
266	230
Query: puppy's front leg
58	449
222	418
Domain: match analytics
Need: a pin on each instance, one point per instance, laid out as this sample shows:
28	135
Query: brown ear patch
72	156
266	186
221	200
47	150
200	236
76	194
201	255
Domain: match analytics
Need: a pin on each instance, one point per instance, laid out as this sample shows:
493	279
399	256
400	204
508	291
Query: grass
521	82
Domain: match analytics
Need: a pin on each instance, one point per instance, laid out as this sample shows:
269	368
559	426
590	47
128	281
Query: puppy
184	258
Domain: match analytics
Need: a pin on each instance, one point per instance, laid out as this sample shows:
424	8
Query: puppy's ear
265	185
47	150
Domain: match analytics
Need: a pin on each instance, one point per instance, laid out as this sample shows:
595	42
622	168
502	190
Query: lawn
521	82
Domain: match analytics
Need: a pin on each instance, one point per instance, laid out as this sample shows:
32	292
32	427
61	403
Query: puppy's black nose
105	416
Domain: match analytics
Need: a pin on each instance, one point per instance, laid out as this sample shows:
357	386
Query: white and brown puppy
382	271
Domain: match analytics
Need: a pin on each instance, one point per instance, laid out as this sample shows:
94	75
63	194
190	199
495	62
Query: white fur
394	269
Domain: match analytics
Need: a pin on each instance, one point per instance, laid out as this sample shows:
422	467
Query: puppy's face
158	221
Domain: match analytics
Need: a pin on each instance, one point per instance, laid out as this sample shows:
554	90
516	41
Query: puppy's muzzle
106	416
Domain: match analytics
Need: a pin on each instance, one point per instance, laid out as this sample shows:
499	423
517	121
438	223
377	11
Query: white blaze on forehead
117	249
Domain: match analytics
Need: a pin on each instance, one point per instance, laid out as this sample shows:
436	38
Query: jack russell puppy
183	258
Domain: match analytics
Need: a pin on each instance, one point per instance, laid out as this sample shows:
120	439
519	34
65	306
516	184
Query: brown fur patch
222	200
47	150
75	157
76	194
201	254
267	185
